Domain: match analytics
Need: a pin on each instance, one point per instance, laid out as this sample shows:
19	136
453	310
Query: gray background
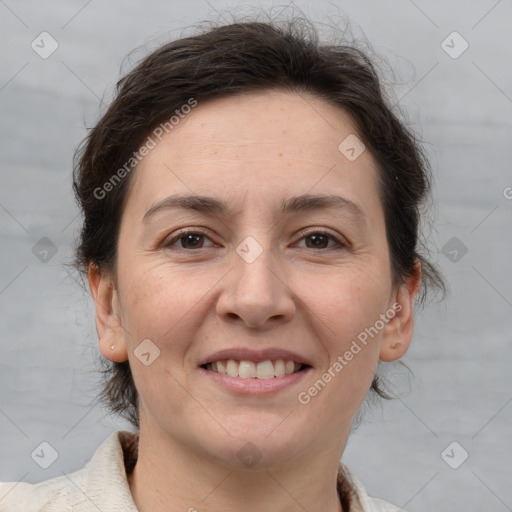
461	355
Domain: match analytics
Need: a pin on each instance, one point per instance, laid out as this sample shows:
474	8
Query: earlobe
398	331
111	335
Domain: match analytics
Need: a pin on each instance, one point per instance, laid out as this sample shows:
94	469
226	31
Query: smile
263	370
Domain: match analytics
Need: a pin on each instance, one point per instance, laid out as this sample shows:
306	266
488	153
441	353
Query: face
249	236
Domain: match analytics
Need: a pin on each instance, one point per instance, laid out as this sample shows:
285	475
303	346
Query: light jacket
102	485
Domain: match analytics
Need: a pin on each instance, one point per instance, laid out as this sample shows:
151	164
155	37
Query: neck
171	477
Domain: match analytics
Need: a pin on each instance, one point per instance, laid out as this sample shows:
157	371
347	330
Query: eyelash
304	234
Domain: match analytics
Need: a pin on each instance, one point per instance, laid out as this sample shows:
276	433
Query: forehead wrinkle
221	163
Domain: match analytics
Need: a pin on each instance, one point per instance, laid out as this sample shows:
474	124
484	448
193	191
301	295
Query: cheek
163	302
347	300
344	311
165	306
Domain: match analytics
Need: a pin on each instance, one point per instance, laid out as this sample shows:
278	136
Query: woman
251	219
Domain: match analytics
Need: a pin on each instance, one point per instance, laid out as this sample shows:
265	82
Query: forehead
295	123
272	144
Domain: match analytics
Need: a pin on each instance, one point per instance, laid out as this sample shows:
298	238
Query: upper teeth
251	370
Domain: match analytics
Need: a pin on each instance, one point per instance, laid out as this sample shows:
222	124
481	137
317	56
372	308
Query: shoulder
359	499
378	505
101	484
48	496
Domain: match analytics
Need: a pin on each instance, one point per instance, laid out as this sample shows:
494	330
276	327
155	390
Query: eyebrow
297	204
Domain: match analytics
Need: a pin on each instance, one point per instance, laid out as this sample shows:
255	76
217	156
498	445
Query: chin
263	444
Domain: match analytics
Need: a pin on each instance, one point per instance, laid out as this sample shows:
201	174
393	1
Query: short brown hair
243	58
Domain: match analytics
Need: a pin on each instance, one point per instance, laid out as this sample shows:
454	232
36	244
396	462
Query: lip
256	356
242	386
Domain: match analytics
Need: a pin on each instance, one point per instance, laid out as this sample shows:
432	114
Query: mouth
261	370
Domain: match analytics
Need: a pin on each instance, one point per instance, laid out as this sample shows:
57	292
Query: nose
255	293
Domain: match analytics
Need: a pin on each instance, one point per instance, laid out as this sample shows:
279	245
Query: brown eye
321	240
317	241
189	240
192	241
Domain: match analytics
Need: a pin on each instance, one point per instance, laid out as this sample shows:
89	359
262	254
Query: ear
111	334
398	331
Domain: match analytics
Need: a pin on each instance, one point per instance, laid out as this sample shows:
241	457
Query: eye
188	239
321	240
